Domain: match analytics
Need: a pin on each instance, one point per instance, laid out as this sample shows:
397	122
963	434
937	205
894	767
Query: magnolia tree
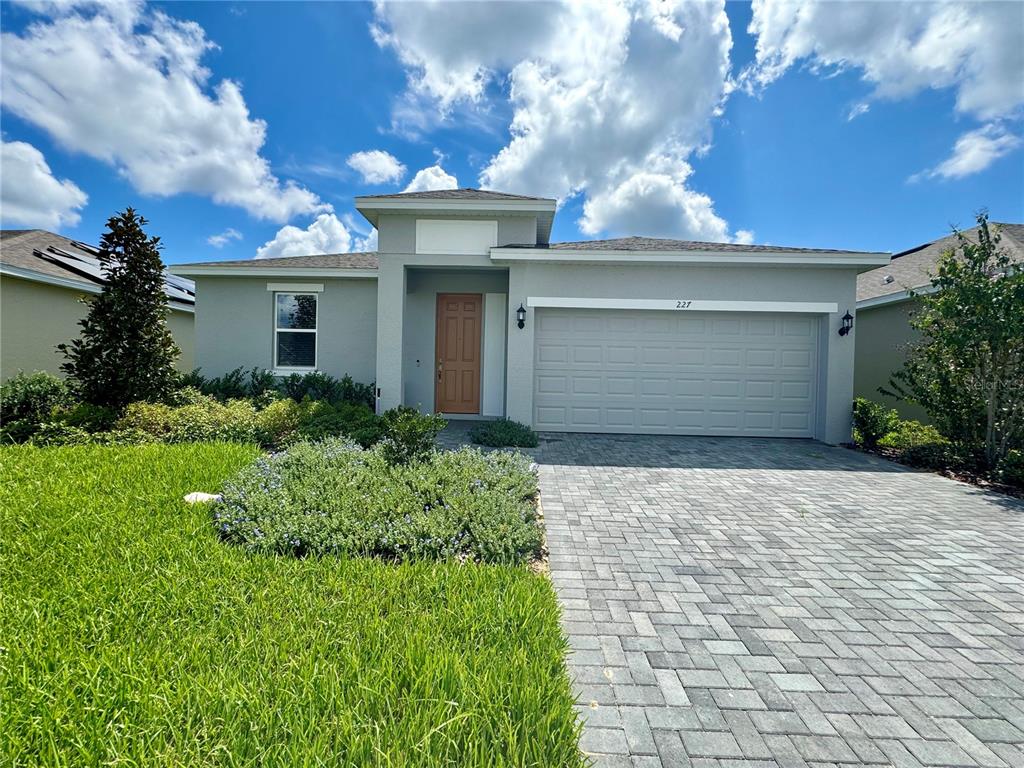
967	371
125	352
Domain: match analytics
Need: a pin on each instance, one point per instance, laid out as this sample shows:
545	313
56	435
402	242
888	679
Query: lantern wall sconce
521	317
847	324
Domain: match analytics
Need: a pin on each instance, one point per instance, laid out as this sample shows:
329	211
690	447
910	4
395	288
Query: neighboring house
467	309
43	276
884	307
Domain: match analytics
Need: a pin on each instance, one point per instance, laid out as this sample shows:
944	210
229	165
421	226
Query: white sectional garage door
707	373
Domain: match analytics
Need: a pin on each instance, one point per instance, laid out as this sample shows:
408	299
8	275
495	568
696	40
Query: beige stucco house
468	309
43	277
884	306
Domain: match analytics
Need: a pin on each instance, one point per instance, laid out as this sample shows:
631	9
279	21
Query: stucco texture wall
726	283
235	325
882	335
36	317
397	233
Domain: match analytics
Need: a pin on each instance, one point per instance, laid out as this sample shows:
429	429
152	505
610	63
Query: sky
244	130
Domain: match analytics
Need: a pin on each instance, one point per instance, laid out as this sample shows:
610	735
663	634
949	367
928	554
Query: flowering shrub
335	498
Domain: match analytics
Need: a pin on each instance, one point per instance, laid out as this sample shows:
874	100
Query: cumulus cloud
976	49
30	195
744	237
127	86
376	166
432	177
609	100
326	234
223	238
973	152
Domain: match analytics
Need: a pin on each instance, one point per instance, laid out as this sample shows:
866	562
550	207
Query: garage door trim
683	304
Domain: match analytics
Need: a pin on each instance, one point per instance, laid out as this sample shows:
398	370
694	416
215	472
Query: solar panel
89	267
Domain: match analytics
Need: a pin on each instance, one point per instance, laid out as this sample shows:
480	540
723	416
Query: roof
49	257
645	244
339	261
466	193
913	268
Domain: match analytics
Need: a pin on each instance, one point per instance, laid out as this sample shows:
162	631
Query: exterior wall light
521	316
847	324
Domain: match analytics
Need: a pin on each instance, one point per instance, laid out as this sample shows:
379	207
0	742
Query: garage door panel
675	372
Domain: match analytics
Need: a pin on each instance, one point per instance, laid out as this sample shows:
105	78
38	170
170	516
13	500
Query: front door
459	318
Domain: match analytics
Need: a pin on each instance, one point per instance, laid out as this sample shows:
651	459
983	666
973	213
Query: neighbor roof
913	268
662	244
318	261
49	255
466	193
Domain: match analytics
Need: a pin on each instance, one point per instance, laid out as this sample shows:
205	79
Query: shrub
871	422
60	434
921	445
335	498
91	418
503	433
1011	470
207	420
410	435
314	385
357	422
32	397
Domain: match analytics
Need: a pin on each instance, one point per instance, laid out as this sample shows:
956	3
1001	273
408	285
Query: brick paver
737	602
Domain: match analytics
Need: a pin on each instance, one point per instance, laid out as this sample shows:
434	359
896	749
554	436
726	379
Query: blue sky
740	134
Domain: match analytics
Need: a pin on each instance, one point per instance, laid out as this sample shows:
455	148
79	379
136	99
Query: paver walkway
737	602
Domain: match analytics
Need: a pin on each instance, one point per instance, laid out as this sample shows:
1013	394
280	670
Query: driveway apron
740	602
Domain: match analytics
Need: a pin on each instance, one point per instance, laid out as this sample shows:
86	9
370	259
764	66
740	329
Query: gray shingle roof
318	261
54	255
913	268
466	193
662	244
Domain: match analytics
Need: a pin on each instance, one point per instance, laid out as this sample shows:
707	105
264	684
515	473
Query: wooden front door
459	317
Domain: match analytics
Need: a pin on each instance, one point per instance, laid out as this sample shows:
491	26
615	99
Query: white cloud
30	195
857	110
326	234
127	86
376	166
432	177
744	237
223	238
973	152
609	99
974	48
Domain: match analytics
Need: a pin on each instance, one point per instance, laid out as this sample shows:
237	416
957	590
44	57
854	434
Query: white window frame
314	331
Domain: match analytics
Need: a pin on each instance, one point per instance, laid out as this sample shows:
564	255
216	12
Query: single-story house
884	306
43	277
468	309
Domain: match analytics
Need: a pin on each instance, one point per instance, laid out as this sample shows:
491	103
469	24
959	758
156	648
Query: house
468	309
43	276
884	306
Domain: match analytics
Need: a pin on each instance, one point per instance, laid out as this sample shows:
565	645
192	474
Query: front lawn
132	636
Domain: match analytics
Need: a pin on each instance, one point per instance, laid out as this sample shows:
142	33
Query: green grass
131	636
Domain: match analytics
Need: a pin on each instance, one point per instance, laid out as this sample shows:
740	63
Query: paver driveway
784	603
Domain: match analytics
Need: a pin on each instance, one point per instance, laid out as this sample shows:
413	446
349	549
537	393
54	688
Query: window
295	331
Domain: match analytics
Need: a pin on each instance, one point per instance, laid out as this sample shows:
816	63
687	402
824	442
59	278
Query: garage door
712	373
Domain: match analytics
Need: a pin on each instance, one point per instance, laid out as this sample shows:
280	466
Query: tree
967	370
125	352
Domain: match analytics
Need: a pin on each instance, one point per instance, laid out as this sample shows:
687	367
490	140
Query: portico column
390	319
